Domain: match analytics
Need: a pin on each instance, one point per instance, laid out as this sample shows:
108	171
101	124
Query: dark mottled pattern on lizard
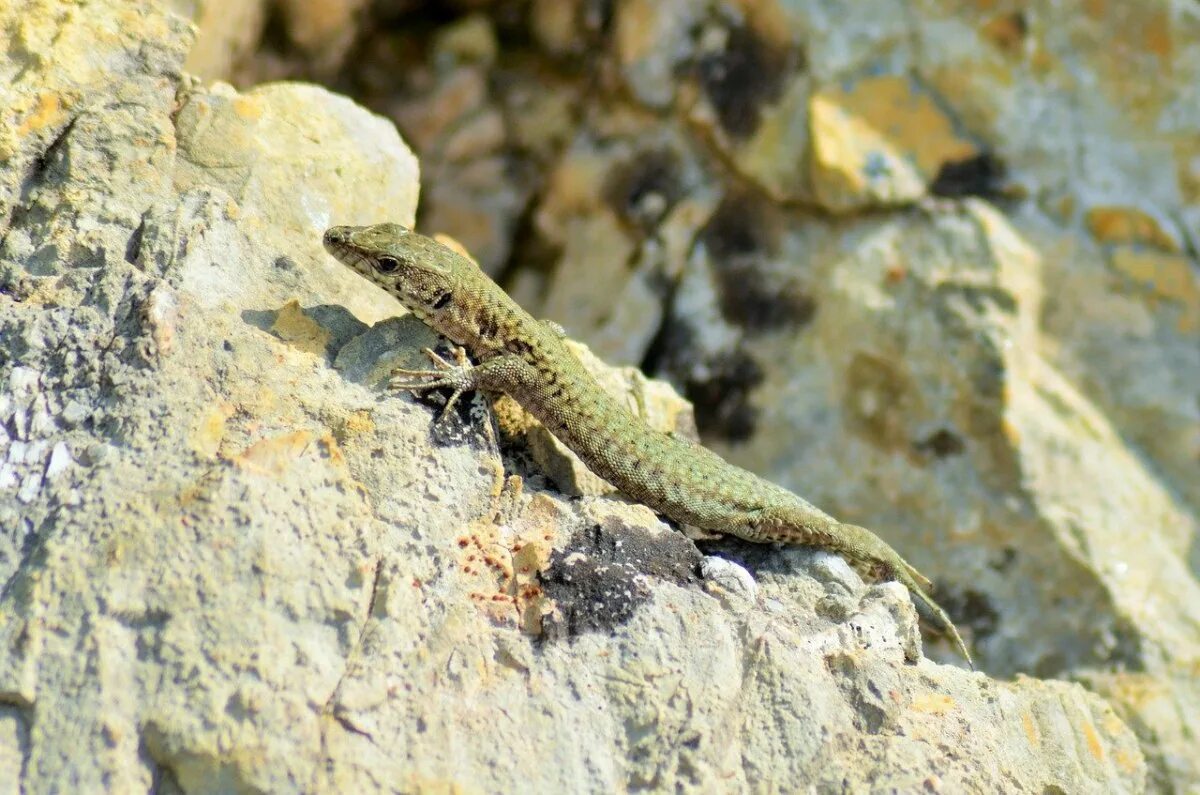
528	360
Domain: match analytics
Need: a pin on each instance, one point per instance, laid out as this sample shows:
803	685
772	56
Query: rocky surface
935	268
230	561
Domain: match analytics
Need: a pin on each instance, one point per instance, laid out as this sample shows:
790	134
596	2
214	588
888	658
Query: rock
880	142
244	566
935	269
226	34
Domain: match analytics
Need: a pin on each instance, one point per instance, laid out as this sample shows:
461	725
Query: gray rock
268	575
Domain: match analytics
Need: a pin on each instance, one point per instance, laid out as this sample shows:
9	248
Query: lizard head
419	271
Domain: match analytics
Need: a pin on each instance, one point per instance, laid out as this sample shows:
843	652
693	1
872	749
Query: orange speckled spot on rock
1043	62
1168	277
1156	36
1011	432
247	107
358	423
1187	155
909	118
933	703
49	111
1112	725
1096	9
274	455
1031	732
205	439
332	449
1063	207
1115	224
1093	741
852	164
293	326
1127	761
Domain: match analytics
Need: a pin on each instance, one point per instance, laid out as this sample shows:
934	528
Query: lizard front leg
507	374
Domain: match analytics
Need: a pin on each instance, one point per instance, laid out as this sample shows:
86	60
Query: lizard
528	359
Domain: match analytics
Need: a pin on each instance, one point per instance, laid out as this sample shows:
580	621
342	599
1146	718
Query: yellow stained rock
879	141
274	455
293	326
1115	224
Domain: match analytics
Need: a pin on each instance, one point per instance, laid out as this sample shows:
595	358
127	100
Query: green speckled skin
527	359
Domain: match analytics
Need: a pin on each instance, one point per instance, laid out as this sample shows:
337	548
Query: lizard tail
863	545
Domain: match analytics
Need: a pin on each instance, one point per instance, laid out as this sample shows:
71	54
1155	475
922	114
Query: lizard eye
387	265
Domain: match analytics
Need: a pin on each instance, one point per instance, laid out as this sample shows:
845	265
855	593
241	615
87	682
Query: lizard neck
488	323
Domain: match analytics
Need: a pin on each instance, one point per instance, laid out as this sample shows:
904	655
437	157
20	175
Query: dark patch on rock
739	237
982	175
738	229
1008	32
644	189
599	580
134	246
972	609
748	73
1008	556
942	443
461	425
722	400
718	385
749	301
595	18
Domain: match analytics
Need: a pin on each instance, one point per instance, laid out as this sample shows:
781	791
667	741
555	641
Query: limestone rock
934	267
230	561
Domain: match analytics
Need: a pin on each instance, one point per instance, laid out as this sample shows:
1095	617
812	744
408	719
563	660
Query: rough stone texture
934	265
229	561
231	32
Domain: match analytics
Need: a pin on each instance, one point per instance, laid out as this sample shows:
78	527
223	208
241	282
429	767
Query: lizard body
527	359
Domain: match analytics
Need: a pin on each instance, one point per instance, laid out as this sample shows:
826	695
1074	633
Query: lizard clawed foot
458	376
802	524
863	545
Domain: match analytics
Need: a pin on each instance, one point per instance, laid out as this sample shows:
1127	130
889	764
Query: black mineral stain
747	74
643	190
941	444
1008	556
982	175
738	237
748	302
738	229
722	399
972	609
719	386
599	580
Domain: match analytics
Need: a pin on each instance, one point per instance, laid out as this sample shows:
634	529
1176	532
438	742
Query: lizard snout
336	237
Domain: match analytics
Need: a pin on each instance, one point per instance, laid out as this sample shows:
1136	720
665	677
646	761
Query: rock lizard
527	359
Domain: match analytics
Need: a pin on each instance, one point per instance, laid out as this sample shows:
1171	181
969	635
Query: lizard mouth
337	242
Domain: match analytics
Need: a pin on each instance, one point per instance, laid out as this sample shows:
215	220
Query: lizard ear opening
387	265
442	300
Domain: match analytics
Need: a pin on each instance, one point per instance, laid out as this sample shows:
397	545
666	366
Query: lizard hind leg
858	544
864	546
